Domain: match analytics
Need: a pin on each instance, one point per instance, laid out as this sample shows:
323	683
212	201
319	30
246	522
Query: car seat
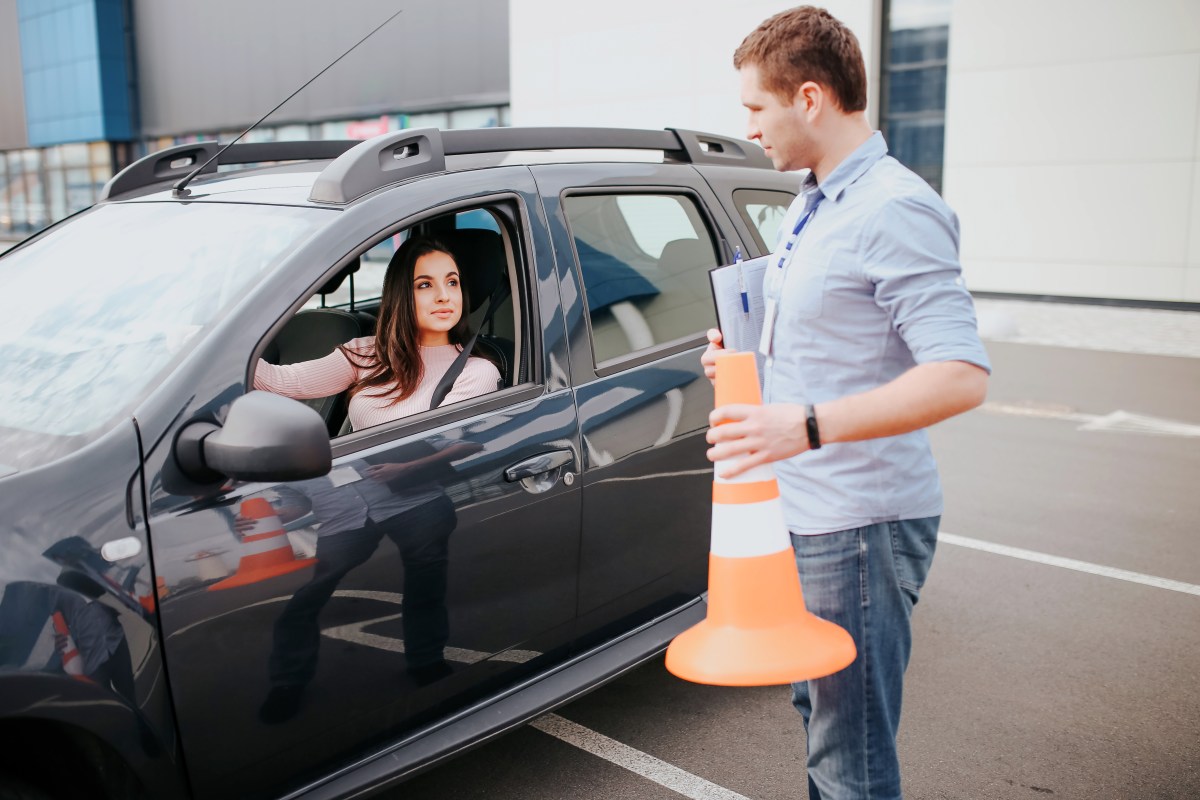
483	265
315	333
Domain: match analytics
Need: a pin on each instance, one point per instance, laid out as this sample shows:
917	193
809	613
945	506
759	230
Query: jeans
867	580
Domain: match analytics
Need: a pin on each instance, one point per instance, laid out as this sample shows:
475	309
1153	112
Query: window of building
5	197
41	186
916	34
644	260
475	118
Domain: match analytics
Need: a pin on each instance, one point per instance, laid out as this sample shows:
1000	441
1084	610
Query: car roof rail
362	167
404	154
176	162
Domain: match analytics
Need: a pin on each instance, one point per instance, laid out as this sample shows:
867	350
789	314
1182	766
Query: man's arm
922	396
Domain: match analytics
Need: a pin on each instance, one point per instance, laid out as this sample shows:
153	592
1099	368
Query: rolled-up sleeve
307	380
911	258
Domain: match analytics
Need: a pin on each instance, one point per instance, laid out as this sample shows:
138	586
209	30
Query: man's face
783	130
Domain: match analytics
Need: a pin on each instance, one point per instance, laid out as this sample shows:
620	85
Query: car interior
338	313
645	273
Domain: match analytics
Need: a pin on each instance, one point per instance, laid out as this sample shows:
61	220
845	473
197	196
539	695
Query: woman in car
421	330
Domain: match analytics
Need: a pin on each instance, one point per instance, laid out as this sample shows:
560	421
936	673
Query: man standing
870	337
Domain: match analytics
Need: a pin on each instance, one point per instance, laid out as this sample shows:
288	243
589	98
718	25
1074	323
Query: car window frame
740	206
637	358
525	307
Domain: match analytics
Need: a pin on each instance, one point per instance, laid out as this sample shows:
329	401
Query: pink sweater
334	374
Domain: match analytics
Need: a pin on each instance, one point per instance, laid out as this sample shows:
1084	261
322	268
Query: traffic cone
266	550
72	662
757	632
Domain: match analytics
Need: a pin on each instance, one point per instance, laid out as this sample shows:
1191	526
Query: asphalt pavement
1057	638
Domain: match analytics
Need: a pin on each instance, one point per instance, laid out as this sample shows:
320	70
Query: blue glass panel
919	145
916	45
72	94
913	90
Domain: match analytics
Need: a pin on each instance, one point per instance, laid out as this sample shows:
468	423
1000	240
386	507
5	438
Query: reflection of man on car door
356	505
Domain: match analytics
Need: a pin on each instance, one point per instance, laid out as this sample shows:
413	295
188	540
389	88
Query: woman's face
437	298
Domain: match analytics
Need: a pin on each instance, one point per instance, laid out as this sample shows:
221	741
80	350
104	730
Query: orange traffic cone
72	662
758	632
266	551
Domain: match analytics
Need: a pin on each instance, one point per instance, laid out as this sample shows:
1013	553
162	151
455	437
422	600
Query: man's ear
810	99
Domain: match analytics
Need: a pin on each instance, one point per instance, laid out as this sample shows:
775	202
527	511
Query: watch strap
810	426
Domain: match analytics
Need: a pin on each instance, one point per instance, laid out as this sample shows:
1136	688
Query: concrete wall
632	63
1073	146
221	64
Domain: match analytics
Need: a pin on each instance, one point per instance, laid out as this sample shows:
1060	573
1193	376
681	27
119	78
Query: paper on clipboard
738	296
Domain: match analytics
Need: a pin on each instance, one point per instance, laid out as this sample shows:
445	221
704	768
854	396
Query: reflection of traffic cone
150	601
758	631
72	662
266	551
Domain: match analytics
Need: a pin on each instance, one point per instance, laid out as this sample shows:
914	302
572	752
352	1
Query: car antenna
180	189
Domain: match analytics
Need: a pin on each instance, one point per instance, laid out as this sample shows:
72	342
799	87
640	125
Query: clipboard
737	291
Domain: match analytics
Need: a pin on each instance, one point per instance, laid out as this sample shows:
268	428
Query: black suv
160	520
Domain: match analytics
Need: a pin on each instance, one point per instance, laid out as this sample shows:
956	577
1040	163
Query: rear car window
763	211
644	260
102	304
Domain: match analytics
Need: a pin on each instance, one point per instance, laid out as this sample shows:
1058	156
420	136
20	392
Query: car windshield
100	306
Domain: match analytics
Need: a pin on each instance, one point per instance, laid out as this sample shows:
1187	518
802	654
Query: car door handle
538	465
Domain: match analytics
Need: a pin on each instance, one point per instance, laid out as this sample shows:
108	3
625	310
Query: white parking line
647	766
1070	563
1116	422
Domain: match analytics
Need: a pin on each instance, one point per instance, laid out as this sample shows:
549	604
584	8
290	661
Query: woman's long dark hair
396	367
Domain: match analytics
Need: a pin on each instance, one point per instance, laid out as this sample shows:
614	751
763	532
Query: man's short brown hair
807	44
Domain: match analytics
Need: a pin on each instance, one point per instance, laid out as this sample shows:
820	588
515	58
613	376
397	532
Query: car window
644	260
485	257
103	303
763	211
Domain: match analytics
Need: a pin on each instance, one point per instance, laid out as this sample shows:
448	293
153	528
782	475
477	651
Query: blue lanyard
796	233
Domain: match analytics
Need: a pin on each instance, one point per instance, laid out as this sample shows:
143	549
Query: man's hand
760	433
709	359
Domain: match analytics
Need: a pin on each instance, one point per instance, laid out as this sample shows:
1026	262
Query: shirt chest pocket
803	293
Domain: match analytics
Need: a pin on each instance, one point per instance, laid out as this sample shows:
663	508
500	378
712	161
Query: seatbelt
456	367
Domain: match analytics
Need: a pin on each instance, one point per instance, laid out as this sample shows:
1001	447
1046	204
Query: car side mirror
265	437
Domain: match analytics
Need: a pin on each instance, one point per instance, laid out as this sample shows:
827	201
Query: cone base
254	576
724	656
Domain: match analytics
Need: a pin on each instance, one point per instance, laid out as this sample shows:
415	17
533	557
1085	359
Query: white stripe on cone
746	530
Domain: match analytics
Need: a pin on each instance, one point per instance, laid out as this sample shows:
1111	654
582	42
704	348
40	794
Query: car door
461	580
634	249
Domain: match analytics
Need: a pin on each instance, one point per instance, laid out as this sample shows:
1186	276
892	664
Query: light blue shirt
871	288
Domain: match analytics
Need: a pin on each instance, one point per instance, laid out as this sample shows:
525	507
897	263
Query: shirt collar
851	169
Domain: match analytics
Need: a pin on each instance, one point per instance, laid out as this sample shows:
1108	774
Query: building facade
1066	134
88	85
1070	151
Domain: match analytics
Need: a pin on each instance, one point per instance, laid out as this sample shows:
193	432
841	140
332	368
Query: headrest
333	283
686	254
481	260
312	333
